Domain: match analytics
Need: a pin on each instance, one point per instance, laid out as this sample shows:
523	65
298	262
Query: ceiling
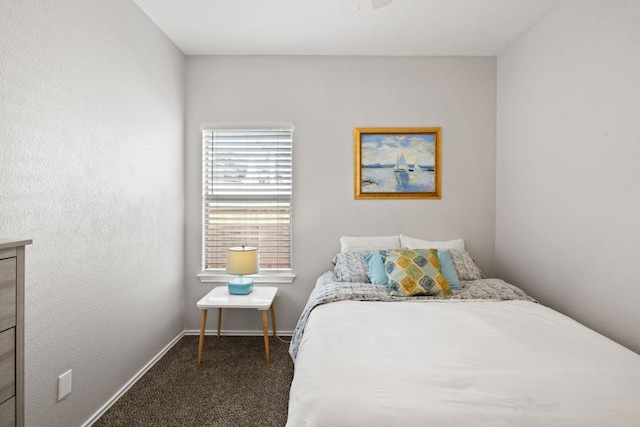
338	27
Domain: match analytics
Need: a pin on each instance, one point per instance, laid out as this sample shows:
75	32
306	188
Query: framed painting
397	163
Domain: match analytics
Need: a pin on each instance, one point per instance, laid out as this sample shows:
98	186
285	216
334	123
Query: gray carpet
232	387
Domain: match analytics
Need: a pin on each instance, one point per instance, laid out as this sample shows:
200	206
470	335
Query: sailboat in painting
402	171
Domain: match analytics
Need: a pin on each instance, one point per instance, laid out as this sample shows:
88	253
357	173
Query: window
246	177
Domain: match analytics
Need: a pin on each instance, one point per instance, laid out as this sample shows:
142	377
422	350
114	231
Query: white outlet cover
64	385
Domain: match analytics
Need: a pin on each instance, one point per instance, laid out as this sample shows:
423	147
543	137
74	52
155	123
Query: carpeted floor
232	387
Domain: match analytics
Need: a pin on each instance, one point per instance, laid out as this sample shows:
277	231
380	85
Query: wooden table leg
203	322
265	331
273	320
219	320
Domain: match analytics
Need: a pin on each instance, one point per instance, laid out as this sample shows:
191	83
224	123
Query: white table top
260	298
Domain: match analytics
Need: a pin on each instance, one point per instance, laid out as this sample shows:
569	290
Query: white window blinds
247	193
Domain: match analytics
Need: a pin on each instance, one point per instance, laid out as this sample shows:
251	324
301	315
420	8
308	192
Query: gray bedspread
328	290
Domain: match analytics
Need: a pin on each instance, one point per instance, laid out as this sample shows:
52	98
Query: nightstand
261	299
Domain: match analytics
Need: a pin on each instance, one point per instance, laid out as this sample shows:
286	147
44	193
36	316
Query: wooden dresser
12	332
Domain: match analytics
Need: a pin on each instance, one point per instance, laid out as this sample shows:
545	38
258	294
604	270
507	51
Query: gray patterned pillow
350	267
465	266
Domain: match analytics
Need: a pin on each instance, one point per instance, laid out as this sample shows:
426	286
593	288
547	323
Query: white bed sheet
464	363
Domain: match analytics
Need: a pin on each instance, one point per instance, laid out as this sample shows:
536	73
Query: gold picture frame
398	163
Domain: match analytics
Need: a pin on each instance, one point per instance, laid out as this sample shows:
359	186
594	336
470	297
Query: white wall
91	169
326	97
568	180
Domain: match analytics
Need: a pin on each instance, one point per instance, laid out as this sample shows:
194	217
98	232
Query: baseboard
237	333
132	381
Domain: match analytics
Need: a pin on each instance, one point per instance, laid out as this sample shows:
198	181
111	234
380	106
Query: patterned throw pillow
415	272
350	267
465	266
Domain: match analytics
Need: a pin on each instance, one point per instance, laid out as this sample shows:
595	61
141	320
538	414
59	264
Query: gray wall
568	175
326	97
91	169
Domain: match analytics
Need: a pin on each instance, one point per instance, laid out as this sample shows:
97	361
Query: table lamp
241	261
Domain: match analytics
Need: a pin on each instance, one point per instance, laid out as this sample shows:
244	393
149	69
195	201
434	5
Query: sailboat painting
401	170
397	163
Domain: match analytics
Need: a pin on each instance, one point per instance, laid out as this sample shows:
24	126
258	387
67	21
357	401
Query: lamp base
240	286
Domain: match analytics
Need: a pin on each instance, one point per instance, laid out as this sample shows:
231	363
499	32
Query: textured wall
326	97
568	182
91	153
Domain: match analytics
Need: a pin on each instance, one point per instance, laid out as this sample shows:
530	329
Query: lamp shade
377	4
242	260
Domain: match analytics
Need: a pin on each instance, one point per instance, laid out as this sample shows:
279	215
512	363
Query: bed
487	354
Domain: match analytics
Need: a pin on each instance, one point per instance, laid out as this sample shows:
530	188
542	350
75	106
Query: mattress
456	362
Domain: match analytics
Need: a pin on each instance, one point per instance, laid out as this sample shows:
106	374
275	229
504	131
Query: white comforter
459	363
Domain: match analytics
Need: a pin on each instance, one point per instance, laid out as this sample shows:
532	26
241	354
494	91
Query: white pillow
362	244
412	243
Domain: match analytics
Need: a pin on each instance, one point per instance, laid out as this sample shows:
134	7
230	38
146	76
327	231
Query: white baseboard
132	381
237	333
157	357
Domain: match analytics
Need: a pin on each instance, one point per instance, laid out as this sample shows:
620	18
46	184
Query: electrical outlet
64	385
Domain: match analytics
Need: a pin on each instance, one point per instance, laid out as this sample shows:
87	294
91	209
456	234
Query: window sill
271	278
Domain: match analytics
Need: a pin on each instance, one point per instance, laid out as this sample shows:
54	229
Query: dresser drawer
7	364
7	293
8	413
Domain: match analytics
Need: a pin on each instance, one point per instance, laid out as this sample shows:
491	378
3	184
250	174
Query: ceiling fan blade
377	4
